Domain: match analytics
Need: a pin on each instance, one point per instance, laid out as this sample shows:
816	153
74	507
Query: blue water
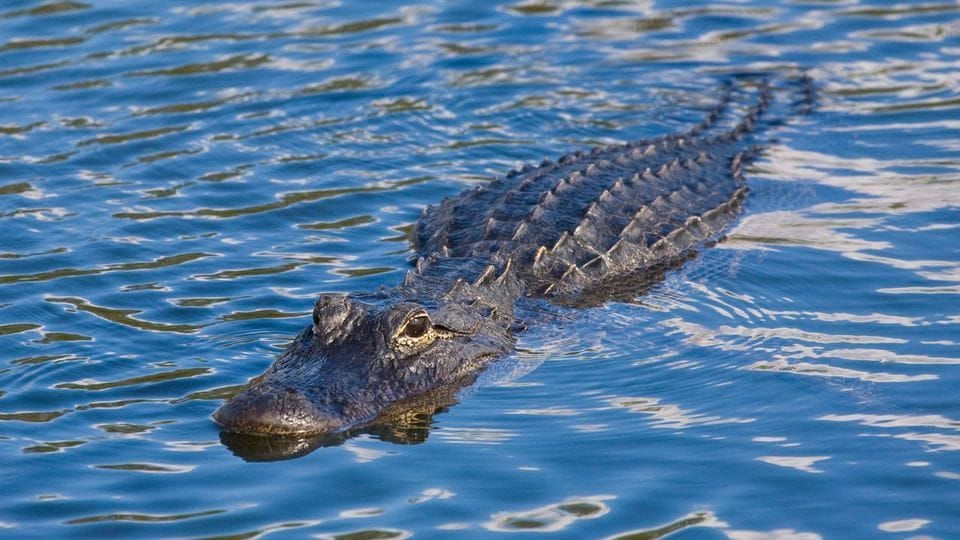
179	180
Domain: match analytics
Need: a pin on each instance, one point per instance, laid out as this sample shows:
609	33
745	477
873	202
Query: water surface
179	180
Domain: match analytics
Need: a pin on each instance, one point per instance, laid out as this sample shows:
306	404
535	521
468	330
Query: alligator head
369	356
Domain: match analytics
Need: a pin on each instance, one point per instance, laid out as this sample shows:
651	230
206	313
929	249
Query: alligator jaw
272	409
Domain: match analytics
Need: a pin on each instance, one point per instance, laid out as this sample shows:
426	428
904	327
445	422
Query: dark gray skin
368	352
581	231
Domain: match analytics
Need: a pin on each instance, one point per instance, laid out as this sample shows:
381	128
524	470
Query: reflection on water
413	427
553	517
179	180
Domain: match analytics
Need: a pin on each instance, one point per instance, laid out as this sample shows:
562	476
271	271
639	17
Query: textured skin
585	229
570	226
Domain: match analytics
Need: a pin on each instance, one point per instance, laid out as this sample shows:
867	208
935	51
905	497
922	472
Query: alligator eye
417	327
416	334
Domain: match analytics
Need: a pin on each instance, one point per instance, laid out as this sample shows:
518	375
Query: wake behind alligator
588	228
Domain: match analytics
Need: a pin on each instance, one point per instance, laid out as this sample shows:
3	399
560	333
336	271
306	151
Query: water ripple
180	180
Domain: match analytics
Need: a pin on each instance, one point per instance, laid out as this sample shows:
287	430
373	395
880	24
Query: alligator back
576	229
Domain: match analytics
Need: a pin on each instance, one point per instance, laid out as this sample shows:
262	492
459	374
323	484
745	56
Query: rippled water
179	180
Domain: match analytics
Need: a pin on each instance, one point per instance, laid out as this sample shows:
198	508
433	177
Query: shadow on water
412	427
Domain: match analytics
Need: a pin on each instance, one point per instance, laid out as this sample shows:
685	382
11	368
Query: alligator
585	229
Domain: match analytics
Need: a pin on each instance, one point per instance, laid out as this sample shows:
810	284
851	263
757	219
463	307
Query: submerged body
580	231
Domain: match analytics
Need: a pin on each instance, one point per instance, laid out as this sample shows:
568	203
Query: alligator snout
274	410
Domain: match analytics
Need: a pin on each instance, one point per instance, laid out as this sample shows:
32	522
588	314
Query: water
179	180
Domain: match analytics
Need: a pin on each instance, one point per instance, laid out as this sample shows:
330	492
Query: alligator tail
751	104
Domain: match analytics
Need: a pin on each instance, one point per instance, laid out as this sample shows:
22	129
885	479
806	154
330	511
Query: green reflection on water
32	417
143	379
143	518
7	329
46	9
50	447
133	136
241	61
